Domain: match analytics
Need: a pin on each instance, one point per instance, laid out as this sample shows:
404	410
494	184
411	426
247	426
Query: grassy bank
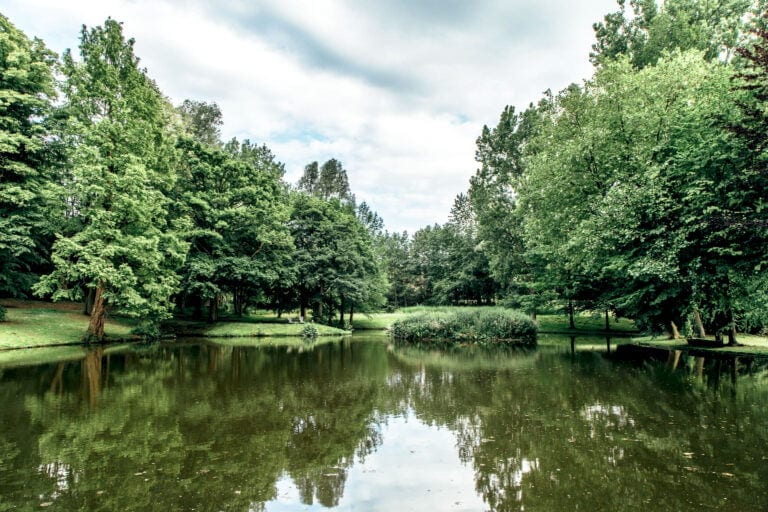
41	324
748	345
248	327
35	324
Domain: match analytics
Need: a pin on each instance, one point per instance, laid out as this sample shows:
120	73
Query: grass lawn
249	326
584	322
35	324
39	324
748	344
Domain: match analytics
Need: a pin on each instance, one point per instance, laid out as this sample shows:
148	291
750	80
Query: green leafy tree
395	250
329	181
127	249
493	196
651	30
336	265
26	93
202	121
240	244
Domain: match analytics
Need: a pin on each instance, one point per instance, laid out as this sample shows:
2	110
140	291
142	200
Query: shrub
505	325
309	332
149	331
492	326
2	314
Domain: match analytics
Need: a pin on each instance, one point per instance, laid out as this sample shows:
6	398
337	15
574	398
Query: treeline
642	190
111	196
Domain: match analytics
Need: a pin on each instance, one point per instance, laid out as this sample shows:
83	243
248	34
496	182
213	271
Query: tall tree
202	120
122	155
336	266
329	181
239	239
651	29
493	193
26	93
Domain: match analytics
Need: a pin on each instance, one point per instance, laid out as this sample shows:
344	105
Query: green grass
749	344
584	322
254	329
40	324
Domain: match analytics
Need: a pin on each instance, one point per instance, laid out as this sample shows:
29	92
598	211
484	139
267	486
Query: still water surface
362	425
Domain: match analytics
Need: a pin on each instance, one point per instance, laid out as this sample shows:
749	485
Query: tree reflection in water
201	426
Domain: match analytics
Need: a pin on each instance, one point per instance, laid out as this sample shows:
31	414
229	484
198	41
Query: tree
493	195
336	266
27	91
711	27
121	151
240	244
202	121
330	181
395	250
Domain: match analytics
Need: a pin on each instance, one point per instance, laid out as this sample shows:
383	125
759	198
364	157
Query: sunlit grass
241	329
53	325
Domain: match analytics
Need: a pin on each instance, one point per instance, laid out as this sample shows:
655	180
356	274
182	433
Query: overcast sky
397	90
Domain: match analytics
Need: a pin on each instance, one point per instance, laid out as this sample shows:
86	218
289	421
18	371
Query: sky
397	90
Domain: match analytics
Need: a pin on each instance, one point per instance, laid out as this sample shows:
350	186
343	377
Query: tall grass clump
490	326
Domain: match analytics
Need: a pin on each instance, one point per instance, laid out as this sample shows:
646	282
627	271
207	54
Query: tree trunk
607	321
213	309
731	329
88	302
699	324
341	314
303	310
351	314
571	323
95	332
237	301
675	334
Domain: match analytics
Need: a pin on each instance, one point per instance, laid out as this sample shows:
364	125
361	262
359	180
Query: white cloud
398	91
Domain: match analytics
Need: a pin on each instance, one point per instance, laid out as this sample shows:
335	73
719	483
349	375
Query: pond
360	424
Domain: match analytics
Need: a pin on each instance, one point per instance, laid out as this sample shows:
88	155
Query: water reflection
366	425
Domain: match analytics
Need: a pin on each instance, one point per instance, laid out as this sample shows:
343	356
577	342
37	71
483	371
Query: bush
309	332
492	326
2	314
149	331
